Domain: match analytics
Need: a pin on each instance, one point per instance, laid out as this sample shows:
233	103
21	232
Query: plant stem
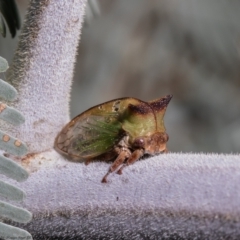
42	69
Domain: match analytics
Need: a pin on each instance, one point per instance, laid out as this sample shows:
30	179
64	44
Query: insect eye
138	143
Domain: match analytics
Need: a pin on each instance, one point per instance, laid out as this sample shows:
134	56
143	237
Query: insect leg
132	159
119	160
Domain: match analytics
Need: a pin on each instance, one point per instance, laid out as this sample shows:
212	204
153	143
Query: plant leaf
12	170
9	232
10	192
3	64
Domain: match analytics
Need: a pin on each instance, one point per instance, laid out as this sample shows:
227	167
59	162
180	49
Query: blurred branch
92	11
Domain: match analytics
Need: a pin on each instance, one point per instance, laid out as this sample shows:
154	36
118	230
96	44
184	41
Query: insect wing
95	131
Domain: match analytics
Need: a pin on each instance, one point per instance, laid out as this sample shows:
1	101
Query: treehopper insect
121	130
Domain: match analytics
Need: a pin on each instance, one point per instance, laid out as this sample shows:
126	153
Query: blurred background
148	49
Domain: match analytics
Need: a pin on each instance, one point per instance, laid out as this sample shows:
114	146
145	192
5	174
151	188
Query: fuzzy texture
172	195
42	69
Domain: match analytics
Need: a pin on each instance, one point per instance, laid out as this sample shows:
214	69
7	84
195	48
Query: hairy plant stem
42	69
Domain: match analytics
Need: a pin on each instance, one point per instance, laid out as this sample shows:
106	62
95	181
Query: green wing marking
99	137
